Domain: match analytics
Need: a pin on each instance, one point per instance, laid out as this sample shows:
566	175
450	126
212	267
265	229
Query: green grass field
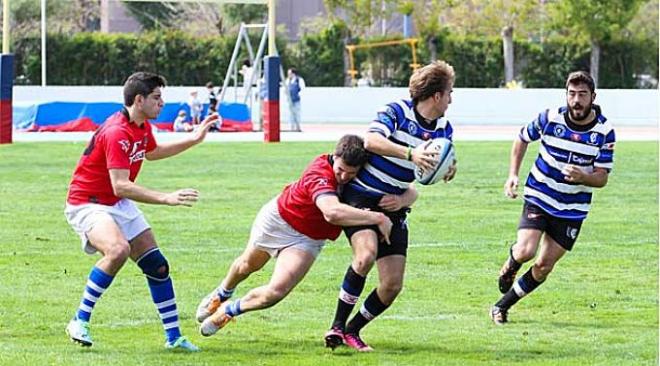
599	307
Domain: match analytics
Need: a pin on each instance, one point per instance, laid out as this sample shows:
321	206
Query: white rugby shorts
272	234
125	213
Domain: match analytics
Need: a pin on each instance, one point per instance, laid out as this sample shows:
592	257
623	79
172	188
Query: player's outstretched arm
167	149
341	214
124	188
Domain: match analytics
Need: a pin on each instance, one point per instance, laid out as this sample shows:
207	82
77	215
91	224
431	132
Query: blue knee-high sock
97	282
163	296
156	269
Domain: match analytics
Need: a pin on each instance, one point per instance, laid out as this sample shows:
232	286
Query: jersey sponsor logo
124	145
559	131
593	138
136	155
580	160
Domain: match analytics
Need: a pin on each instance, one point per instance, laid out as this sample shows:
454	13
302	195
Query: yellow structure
353	47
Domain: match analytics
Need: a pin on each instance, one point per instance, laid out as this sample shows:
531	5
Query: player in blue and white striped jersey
576	155
385	184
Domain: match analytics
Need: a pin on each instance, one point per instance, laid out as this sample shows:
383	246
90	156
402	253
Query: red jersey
117	144
297	204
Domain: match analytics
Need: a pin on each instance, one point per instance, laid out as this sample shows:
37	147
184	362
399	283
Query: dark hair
294	70
350	149
141	83
430	79
247	62
209	84
581	77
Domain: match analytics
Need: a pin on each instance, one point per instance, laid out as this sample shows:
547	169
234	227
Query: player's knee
118	253
275	294
543	268
363	262
524	252
154	265
391	290
243	267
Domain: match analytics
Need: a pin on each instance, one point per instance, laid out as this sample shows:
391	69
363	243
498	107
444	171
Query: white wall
355	105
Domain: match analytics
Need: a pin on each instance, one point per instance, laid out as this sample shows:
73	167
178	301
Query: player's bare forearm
409	197
597	179
341	214
167	149
378	144
138	193
123	187
518	151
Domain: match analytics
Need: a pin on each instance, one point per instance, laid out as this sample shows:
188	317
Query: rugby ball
445	156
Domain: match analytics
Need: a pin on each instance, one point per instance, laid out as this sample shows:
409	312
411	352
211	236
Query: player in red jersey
101	210
293	228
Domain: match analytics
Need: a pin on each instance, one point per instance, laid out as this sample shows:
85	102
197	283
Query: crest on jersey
323	181
593	138
125	145
559	130
426	136
412	128
575	137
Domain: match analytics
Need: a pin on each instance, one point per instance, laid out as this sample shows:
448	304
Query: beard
579	112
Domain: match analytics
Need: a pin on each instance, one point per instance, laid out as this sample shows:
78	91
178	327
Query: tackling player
292	227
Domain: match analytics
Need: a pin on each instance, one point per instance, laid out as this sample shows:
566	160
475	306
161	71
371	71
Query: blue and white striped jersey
384	174
563	143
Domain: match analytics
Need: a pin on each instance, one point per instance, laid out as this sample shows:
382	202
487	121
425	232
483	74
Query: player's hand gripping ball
445	156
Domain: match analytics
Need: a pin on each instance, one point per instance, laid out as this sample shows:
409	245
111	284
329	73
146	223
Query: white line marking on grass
415	318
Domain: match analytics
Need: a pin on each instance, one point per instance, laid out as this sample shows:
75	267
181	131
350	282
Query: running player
100	205
576	154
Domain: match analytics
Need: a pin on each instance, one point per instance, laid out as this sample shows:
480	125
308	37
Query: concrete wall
354	105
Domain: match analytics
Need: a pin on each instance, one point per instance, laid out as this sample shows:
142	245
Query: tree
360	15
598	21
494	17
426	17
153	15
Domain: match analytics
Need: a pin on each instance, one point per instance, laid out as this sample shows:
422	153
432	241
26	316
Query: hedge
106	59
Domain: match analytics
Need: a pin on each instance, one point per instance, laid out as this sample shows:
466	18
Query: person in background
195	107
295	84
180	124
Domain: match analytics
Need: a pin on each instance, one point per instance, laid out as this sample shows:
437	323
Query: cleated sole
333	341
81	342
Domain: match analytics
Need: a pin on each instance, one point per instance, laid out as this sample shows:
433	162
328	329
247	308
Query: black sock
514	266
349	293
520	289
371	308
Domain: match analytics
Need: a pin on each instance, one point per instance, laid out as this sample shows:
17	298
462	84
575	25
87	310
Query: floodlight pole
5	26
43	42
